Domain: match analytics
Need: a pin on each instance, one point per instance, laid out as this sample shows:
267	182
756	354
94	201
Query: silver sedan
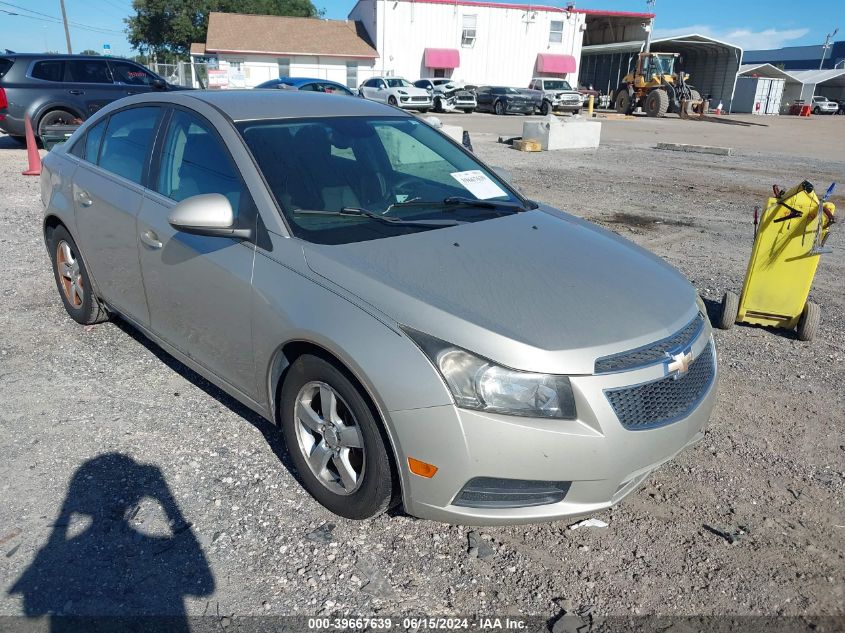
421	332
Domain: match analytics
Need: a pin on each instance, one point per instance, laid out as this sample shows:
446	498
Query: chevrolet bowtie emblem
678	364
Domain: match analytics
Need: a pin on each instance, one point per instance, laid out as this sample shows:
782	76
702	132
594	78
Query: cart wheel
809	321
730	308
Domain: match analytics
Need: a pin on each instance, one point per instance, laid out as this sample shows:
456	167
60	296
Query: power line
52	18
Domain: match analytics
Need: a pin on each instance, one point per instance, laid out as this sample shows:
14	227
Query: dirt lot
192	501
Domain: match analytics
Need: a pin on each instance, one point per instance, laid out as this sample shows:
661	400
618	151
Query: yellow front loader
656	87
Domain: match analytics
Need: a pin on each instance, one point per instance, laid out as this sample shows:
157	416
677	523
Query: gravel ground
193	508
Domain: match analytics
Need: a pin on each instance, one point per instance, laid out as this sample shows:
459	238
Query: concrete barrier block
554	133
455	132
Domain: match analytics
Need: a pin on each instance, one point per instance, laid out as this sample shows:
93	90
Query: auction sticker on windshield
478	184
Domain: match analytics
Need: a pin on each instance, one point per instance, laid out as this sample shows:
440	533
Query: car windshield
509	91
663	65
397	83
557	85
397	168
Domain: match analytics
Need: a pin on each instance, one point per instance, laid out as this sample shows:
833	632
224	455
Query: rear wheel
72	280
808	324
657	103
730	310
55	117
499	108
335	441
623	102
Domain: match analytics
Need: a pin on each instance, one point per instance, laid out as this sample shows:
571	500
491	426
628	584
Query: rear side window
49	70
5	65
89	71
130	74
127	142
195	161
93	140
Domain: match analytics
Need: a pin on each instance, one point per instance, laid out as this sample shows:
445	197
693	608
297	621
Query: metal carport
712	64
830	83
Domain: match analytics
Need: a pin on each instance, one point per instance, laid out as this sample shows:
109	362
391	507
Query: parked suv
821	105
57	89
396	91
557	95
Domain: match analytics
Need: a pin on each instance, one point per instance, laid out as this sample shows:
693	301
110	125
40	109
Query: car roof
295	81
247	105
63	56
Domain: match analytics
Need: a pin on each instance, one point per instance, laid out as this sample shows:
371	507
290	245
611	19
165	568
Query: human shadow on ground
120	552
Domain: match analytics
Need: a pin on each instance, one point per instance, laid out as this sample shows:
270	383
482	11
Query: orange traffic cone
32	154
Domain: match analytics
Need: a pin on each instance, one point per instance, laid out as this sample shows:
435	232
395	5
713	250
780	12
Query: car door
90	80
370	88
198	287
107	194
483	98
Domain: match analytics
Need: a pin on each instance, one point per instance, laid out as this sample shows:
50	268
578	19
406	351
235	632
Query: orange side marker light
421	468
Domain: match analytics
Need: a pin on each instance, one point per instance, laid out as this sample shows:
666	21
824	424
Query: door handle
151	239
84	198
76	92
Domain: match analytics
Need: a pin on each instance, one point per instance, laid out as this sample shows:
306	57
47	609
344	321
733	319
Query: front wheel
499	108
334	440
623	102
392	101
469	110
72	280
817	110
545	108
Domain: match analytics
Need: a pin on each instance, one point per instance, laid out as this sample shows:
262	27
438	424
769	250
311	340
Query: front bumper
603	461
521	108
411	103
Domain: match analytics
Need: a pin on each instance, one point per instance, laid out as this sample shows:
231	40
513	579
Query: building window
351	74
468	34
284	66
555	31
236	64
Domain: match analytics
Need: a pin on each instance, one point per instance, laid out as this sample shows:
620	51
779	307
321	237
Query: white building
471	41
467	40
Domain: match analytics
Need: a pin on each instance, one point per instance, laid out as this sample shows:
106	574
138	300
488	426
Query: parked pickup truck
558	95
821	105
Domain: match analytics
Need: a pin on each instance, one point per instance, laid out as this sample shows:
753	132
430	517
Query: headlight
477	383
401	92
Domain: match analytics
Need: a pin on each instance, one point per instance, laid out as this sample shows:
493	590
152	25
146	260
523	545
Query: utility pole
827	45
67	30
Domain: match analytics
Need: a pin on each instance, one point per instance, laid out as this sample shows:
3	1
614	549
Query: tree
89	51
170	26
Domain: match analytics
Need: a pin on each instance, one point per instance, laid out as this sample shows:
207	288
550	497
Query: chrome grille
651	353
666	400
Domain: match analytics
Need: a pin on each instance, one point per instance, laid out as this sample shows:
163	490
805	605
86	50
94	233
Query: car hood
539	290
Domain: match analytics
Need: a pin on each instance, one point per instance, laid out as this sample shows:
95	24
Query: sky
751	24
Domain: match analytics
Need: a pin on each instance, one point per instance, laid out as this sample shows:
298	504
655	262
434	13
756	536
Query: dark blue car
308	83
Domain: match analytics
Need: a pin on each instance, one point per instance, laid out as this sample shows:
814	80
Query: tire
423	110
55	117
499	108
545	108
374	487
623	102
657	103
469	110
392	101
72	280
575	112
730	309
808	324
438	105
817	110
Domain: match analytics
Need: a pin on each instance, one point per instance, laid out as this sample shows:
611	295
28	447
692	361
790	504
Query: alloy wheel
329	438
67	265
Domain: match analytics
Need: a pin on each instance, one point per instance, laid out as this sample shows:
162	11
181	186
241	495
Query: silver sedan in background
420	331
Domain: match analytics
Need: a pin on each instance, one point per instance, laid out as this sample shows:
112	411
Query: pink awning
559	64
442	58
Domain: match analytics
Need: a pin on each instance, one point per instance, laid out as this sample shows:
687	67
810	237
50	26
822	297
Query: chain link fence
190	75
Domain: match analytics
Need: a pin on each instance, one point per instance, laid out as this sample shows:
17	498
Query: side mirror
159	84
206	214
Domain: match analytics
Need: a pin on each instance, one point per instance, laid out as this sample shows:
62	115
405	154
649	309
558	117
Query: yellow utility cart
788	244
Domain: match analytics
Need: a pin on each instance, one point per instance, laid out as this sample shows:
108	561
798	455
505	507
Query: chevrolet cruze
421	333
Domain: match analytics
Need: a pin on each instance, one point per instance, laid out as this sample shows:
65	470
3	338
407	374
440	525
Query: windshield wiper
461	201
356	212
